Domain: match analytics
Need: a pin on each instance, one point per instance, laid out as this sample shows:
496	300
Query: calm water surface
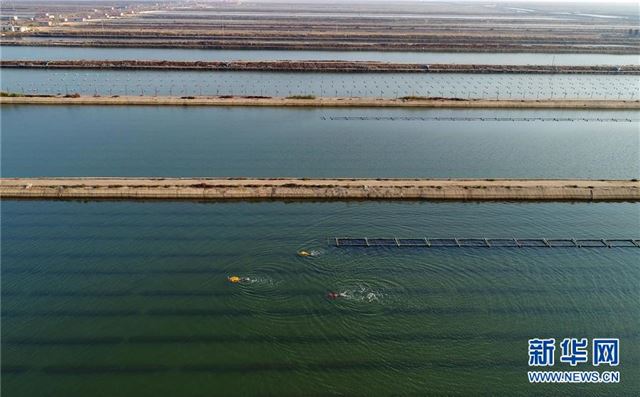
383	85
272	142
110	298
55	53
101	298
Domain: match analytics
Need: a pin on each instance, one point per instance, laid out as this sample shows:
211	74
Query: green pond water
131	298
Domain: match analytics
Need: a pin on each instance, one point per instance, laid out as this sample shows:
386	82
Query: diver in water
332	295
238	280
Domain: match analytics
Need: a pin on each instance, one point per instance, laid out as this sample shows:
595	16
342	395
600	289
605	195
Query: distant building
43	22
13	28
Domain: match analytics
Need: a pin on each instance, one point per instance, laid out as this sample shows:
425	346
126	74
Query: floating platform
453	242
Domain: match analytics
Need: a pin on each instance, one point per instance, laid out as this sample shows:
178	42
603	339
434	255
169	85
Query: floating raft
345	242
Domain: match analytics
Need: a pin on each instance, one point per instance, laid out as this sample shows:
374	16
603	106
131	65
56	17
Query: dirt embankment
311	101
316	66
324	189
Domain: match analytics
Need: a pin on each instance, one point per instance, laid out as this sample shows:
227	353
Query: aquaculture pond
104	297
177	54
382	85
280	142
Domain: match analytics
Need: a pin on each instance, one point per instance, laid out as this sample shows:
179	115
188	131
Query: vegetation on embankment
301	97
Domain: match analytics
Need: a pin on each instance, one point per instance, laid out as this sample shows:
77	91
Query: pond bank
321	189
312	101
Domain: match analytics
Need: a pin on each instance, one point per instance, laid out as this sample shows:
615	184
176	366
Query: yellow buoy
304	253
234	279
